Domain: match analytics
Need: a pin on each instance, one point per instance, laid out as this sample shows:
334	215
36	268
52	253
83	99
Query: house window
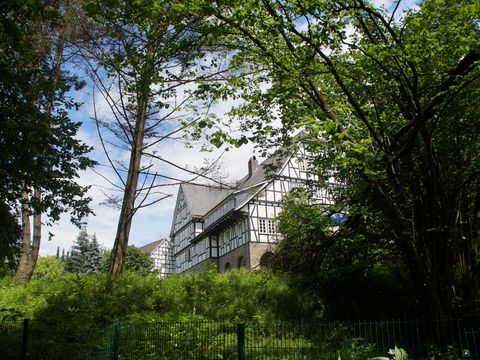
188	255
262	226
266	226
271	227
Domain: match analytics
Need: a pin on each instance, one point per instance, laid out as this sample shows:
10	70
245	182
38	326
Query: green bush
48	268
239	295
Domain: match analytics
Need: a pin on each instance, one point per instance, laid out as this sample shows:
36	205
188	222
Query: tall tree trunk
130	193
417	243
128	205
30	247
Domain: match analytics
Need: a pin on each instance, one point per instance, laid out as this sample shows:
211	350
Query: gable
181	215
297	165
151	247
194	201
208	203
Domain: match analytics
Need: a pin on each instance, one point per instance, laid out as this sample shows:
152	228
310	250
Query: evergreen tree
76	261
93	257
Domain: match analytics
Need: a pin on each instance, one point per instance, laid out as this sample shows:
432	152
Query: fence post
116	340
23	355
241	341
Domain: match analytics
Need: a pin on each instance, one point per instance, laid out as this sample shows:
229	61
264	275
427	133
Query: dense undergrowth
188	317
239	295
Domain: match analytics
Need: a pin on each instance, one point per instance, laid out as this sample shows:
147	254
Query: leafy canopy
38	144
386	99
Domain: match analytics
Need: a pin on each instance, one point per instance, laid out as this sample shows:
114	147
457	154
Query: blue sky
151	223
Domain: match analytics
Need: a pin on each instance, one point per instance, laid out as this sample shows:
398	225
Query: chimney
252	166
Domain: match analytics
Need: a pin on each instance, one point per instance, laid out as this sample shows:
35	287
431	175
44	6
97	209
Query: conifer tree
78	254
93	257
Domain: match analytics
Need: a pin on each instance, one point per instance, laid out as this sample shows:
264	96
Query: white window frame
266	226
271	227
262	226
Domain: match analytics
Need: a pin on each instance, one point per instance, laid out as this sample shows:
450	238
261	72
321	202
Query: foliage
386	102
85	256
38	144
10	235
159	316
243	295
349	267
49	268
40	154
148	52
396	354
75	261
136	261
93	257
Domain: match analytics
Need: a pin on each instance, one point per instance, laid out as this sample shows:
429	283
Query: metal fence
442	339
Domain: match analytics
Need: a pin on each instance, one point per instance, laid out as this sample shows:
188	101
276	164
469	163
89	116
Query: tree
386	101
10	239
136	261
49	268
39	155
147	53
77	258
93	257
348	266
85	256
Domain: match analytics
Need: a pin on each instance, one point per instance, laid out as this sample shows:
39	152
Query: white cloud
150	223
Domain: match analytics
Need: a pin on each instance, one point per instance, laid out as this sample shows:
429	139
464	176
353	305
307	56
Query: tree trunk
30	249
419	245
31	246
128	205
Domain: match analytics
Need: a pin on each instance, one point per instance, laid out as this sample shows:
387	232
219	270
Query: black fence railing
440	339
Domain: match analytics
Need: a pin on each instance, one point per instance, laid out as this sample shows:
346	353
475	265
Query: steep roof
201	198
149	248
249	186
268	168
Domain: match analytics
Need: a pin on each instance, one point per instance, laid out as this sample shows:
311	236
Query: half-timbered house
235	227
161	253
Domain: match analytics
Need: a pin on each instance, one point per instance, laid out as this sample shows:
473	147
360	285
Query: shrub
48	268
239	295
